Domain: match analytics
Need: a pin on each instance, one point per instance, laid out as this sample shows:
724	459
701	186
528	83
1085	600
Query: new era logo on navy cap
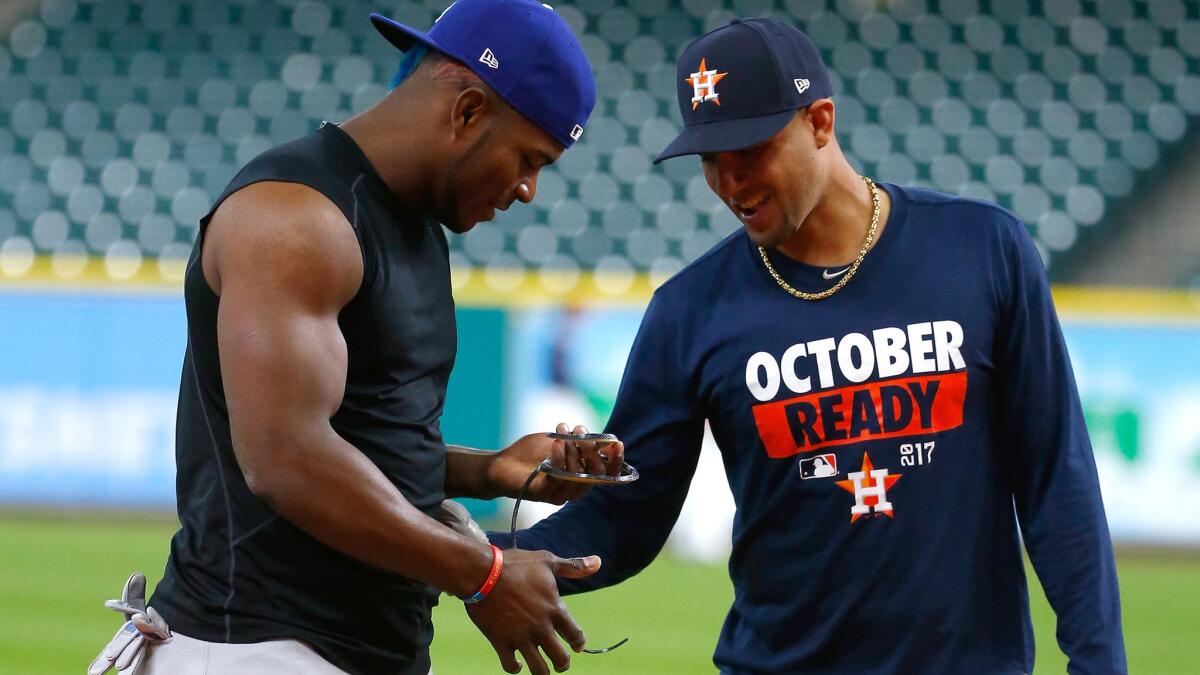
741	83
522	49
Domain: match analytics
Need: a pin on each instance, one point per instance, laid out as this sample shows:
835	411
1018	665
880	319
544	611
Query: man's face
499	166
771	187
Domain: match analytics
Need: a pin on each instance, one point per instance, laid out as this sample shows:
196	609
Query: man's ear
469	112
821	116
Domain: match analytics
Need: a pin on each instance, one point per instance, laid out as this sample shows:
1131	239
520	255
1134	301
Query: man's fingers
570	631
616	458
533	659
589	453
508	660
575	568
574	461
574	457
558	455
557	653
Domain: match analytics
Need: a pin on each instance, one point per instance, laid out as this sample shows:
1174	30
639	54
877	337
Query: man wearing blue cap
321	335
885	375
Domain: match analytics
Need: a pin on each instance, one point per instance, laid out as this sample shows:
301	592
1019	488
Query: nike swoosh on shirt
833	275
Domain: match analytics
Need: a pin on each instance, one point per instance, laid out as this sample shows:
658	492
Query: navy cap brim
725	135
400	35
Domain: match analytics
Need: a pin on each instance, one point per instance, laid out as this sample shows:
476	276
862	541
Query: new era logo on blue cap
740	84
489	59
522	49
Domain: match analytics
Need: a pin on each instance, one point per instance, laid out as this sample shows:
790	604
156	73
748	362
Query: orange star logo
704	85
869	487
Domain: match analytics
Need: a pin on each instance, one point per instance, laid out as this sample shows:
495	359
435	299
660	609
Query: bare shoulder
286	238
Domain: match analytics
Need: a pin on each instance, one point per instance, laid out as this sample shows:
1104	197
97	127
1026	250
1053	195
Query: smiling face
773	186
501	157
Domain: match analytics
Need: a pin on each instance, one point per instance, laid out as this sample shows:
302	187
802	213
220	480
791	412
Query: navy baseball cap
742	83
522	49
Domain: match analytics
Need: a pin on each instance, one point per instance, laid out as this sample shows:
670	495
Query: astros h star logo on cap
757	72
704	85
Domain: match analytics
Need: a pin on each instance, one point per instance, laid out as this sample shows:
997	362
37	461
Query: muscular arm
285	261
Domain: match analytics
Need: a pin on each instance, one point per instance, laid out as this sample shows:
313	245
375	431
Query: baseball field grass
56	571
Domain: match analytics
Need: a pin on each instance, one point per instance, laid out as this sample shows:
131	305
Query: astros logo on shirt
704	85
869	487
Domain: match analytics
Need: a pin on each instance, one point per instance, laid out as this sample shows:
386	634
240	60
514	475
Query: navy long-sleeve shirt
887	448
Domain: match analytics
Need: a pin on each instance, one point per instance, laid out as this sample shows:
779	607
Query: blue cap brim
725	135
402	36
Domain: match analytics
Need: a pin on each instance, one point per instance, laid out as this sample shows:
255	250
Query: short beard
453	214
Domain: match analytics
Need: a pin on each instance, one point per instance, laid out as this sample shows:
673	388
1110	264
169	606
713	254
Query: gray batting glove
142	625
456	517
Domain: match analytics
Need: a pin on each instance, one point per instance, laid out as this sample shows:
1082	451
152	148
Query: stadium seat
124	118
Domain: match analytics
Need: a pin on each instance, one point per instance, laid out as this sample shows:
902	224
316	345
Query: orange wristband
493	577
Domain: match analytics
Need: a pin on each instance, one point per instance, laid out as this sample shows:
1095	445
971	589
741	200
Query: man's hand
511	467
525	613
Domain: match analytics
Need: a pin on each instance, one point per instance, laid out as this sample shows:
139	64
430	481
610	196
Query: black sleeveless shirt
238	571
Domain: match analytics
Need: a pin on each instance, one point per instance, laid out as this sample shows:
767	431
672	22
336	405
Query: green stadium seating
121	119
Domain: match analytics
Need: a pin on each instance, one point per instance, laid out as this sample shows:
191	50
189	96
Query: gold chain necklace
849	271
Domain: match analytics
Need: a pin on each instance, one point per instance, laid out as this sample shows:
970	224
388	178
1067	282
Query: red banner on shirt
906	406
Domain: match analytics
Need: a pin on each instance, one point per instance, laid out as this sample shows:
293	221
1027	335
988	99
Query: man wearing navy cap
885	375
321	335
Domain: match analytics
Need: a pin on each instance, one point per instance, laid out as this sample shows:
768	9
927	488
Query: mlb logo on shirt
821	466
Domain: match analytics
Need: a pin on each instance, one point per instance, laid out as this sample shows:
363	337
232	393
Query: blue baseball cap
522	49
742	83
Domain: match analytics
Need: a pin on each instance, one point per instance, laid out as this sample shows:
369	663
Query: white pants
183	655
